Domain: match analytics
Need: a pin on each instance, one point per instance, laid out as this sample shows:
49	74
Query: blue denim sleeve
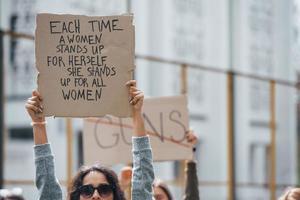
143	173
45	180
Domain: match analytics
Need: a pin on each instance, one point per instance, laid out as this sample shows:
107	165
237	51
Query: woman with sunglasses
93	182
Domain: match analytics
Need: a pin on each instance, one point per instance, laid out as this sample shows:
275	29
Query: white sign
107	140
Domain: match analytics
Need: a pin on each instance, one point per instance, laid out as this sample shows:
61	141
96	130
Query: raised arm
191	178
143	173
136	100
35	111
46	181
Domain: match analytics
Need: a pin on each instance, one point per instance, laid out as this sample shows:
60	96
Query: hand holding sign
136	96
34	107
136	100
191	137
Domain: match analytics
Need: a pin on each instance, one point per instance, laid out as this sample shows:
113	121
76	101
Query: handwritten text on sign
84	63
108	140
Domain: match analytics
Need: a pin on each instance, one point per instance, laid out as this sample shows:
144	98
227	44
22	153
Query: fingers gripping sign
136	95
191	137
34	107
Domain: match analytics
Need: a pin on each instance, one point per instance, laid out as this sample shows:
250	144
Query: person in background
11	194
291	194
160	189
93	182
125	180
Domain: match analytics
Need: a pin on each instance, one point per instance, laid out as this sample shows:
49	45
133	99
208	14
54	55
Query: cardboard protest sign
84	63
107	140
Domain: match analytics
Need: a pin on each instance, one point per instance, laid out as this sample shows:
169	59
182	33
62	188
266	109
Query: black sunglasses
87	191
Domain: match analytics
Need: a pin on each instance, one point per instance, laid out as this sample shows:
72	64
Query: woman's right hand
34	107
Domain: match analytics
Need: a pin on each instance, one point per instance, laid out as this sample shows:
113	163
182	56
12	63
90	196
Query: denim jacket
142	179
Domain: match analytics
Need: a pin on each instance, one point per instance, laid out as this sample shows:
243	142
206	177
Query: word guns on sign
124	129
166	122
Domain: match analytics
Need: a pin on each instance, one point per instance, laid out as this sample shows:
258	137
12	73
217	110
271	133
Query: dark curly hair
109	174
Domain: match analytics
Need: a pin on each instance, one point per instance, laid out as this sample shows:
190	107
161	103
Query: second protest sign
108	140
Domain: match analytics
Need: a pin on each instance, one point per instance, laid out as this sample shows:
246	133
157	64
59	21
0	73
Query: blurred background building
246	44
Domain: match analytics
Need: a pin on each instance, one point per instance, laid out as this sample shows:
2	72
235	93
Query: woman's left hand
136	96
